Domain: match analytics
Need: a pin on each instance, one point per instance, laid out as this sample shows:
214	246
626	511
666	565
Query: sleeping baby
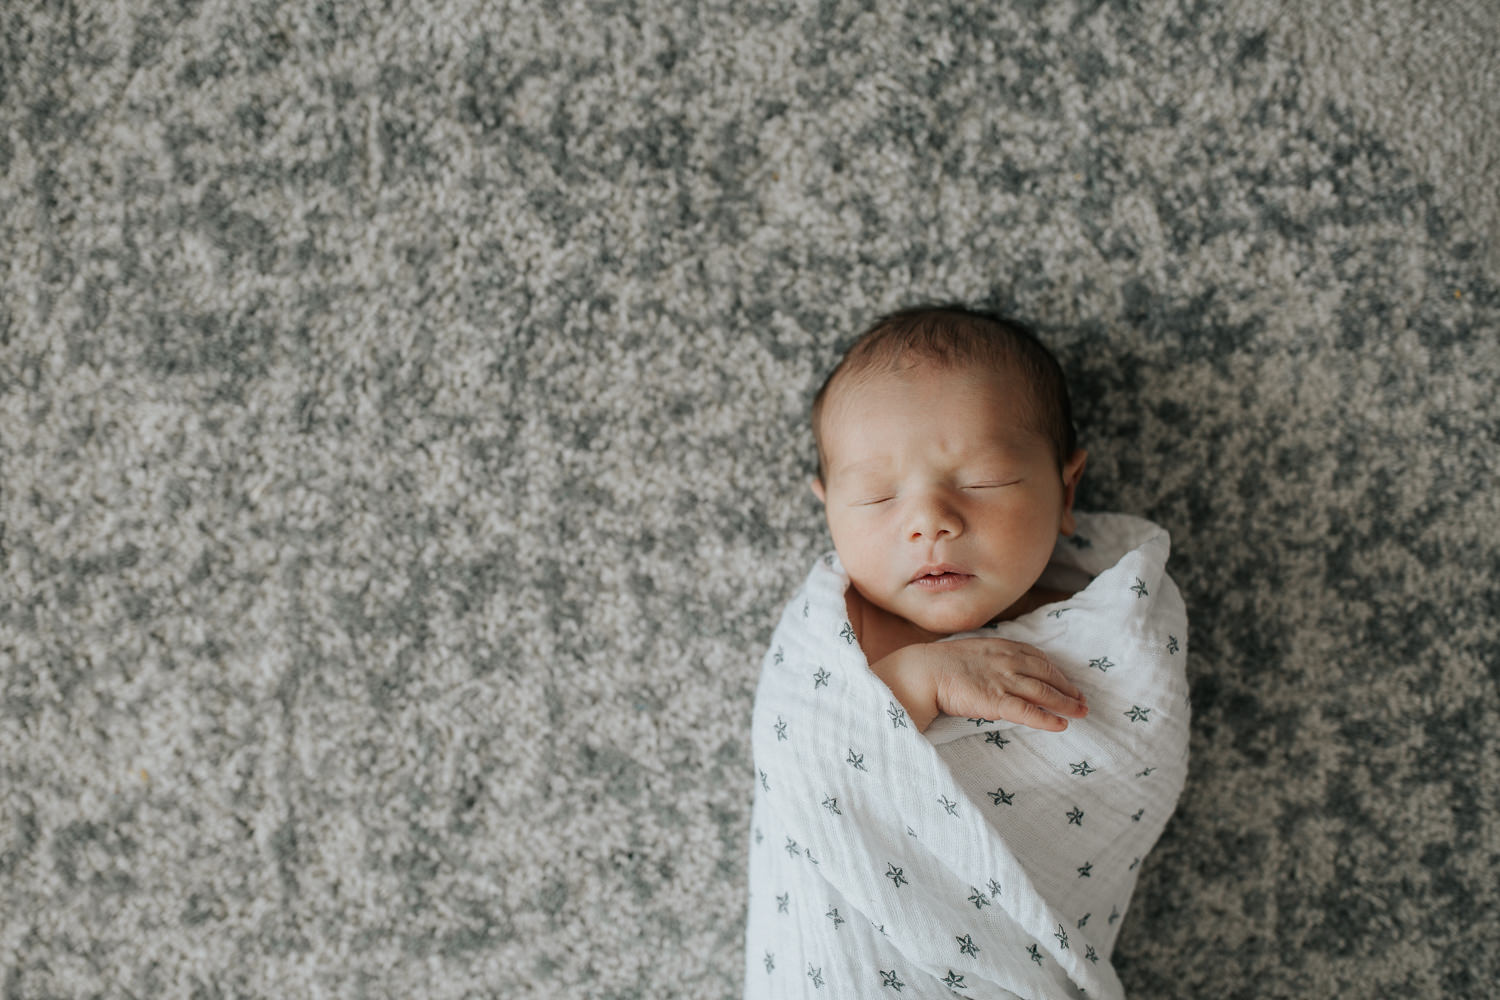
971	725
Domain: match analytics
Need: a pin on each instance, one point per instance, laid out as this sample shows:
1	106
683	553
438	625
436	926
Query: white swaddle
979	857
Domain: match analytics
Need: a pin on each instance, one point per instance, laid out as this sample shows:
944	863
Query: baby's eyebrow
876	463
873	465
997	448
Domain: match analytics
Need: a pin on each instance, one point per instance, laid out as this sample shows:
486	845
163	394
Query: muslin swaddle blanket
980	858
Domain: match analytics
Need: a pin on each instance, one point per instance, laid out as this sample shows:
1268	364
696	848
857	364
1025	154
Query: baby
947	467
971	724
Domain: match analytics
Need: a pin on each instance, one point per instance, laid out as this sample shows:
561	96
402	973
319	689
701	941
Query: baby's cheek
860	559
868	589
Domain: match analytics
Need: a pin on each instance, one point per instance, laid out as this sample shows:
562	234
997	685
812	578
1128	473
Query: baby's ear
1072	471
817	488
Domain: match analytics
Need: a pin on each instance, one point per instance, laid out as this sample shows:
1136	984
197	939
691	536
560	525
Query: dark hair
953	336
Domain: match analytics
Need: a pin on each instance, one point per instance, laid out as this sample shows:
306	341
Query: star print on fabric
1172	644
820	679
1138	714
805	608
816	975
782	902
1146	773
954	981
1087	871
1138	814
890	979
833	915
765	785
780	657
994	888
910	832
1075	816
832	805
792	849
856	760
1114	914
898	716
1083	920
996	739
1062	935
949	805
1002	797
1035	953
1091	954
978	898
1140	588
780	728
847	633
770	962
1102	664
967	946
808	851
1057	612
1083	769
759	836
982	722
896	875
1134	863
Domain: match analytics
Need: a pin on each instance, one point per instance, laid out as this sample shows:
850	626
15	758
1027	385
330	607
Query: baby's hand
1001	679
989	679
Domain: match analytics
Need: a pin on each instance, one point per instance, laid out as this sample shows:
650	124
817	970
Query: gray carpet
403	460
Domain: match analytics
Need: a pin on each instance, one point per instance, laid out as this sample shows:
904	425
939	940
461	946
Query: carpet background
403	461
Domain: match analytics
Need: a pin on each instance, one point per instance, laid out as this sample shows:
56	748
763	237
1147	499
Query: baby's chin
951	621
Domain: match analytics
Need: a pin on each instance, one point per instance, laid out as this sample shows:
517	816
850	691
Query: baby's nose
933	519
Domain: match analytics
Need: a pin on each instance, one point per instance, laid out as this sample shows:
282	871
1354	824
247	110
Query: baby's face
943	504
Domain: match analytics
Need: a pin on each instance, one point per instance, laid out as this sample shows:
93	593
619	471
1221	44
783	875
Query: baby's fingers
1023	659
1044	695
1037	666
1013	697
1022	712
1036	681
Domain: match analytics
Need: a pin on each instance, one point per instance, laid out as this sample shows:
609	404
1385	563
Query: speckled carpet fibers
403	461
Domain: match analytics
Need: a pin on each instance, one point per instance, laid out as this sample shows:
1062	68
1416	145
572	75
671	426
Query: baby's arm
987	678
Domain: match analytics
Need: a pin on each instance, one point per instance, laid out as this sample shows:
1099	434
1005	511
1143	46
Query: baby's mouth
941	579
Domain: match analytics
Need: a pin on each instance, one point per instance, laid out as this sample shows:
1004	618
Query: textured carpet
403	461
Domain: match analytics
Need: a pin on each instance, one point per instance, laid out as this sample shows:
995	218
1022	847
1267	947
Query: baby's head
947	465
